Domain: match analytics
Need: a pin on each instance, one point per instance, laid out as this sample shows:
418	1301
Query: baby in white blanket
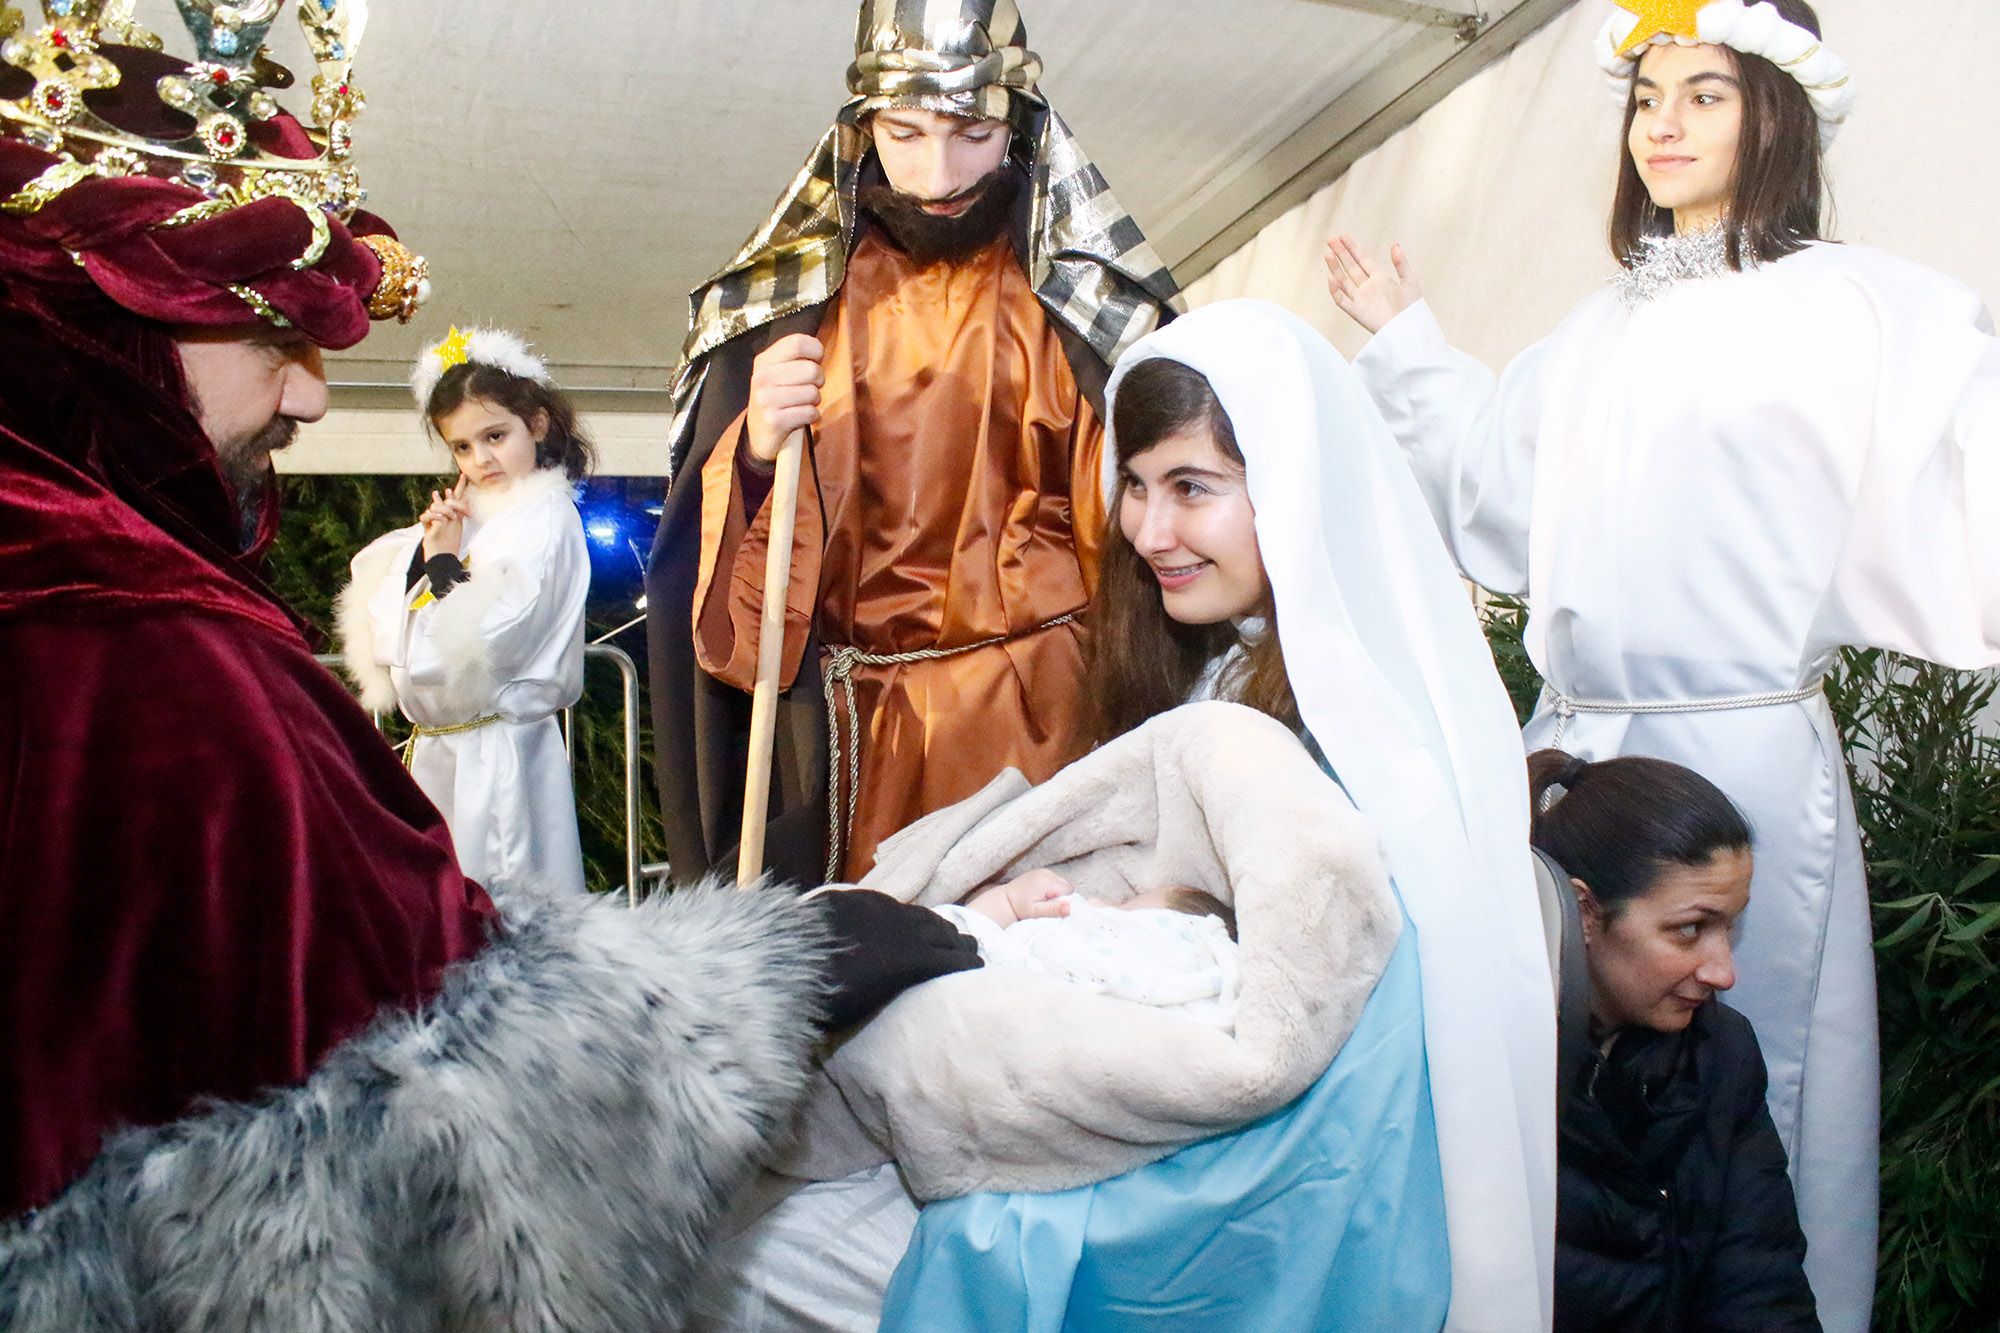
1172	948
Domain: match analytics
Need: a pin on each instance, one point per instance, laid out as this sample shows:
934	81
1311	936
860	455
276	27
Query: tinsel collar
1666	261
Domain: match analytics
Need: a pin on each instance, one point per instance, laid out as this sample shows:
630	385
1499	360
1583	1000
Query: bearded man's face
949	189
250	392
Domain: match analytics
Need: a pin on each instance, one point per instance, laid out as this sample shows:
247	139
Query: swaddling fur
1006	1080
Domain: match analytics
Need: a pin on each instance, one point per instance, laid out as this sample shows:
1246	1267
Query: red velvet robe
212	870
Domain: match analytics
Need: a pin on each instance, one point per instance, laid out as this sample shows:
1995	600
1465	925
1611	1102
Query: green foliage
1927	797
1927	794
1506	621
328	519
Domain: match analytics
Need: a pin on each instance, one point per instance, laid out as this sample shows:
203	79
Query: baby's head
1186	900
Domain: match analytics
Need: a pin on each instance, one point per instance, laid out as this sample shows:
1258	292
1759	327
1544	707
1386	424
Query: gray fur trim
547	1144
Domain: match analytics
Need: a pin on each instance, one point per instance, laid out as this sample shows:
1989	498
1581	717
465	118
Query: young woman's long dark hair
564	445
1141	661
1779	191
1618	823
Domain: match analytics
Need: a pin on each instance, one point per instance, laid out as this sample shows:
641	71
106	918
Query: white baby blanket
1151	955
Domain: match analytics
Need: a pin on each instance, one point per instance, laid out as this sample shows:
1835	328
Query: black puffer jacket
1674	1211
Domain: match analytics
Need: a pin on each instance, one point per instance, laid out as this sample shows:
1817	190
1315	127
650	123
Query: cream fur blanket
1006	1080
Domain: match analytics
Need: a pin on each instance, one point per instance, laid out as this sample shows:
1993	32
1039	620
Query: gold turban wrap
1091	266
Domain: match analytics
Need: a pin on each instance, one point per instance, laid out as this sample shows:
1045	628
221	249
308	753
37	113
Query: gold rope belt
839	669
418	729
1567	708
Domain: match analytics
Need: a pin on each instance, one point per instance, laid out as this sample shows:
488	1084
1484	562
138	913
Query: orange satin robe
950	497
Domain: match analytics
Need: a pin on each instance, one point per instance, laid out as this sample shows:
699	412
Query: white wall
1502	191
392	440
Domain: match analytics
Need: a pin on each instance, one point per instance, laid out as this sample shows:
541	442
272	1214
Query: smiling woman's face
1686	123
1186	510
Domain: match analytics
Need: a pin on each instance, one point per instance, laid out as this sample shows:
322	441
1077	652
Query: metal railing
628	675
628	672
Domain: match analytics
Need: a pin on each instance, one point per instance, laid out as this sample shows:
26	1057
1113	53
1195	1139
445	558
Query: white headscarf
1396	684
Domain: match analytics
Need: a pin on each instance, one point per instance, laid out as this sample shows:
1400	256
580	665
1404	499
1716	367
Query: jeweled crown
77	88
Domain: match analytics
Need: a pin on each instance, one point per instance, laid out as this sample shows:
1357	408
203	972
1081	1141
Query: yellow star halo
455	350
1675	18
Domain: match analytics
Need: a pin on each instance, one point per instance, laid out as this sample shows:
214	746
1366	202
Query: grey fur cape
545	1145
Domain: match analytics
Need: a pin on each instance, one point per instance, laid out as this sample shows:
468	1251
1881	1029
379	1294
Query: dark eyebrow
1187	470
1707	76
1704	912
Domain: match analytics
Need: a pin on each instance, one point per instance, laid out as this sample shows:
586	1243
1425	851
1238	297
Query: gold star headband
489	347
1753	29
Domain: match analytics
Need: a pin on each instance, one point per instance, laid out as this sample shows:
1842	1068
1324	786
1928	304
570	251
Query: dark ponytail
1618	823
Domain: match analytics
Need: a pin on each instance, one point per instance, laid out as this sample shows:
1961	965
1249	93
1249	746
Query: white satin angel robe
509	641
1705	497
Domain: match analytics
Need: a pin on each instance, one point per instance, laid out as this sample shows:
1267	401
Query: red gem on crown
218	77
59	39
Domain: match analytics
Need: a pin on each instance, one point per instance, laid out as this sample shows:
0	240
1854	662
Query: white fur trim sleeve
522	604
456	629
547	1144
354	622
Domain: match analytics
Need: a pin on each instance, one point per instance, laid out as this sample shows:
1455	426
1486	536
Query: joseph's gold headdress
1091	266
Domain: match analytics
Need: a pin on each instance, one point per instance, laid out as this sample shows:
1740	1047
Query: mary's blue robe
1328	1214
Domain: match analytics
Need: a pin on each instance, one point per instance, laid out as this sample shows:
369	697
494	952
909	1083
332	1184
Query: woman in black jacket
1674	1211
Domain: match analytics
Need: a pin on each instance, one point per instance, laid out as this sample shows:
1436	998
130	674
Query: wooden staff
770	659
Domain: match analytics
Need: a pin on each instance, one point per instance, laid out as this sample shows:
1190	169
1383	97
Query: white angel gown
1704	496
505	645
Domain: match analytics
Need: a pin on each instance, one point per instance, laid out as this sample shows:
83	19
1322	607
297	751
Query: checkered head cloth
1091	266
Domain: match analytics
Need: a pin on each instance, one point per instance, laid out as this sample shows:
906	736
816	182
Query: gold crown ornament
98	91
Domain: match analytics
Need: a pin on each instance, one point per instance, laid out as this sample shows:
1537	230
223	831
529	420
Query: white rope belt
1567	708
839	669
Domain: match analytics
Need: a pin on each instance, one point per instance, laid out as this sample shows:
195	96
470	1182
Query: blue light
603	531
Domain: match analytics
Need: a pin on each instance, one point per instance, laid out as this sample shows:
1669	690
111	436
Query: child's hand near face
1039	893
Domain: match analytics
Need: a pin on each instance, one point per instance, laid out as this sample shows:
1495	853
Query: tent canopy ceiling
572	171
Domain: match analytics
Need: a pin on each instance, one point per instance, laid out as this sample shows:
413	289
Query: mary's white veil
1397	686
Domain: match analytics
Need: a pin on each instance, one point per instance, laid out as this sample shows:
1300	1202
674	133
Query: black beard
930	238
246	468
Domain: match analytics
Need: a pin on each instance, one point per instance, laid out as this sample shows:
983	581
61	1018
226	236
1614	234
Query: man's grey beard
246	468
